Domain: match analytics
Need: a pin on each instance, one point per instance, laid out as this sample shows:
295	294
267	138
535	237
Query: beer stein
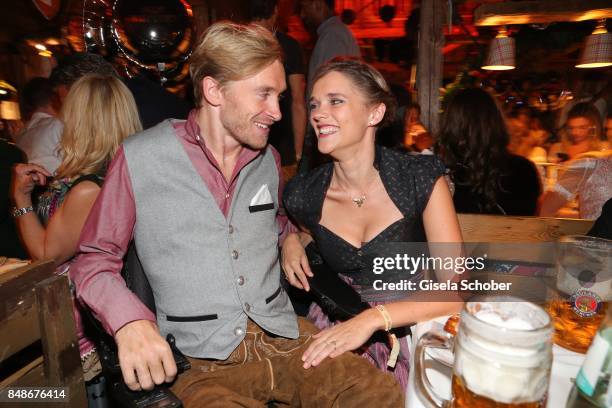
503	356
584	285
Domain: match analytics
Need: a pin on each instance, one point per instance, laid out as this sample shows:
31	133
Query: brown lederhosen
267	368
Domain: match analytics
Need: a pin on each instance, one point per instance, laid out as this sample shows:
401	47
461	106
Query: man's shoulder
334	26
162	130
45	124
337	38
271	150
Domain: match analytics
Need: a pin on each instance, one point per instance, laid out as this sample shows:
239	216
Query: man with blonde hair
201	198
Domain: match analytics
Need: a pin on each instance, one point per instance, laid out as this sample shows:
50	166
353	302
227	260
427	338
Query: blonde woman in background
98	114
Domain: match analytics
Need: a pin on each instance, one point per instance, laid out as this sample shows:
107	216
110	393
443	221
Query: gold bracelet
395	344
386	317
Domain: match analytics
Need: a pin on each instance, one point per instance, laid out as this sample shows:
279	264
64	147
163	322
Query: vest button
240	280
235	254
231	229
247	307
238	331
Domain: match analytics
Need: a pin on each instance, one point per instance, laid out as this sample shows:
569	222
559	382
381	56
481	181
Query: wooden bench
35	304
503	228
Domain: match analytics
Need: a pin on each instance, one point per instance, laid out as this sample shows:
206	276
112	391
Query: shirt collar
36	116
192	128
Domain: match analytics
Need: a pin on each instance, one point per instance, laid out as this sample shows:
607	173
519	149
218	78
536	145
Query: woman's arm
571	180
441	226
25	177
295	261
59	240
551	202
439	217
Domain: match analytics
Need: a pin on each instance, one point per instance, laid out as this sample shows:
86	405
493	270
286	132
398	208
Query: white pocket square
262	200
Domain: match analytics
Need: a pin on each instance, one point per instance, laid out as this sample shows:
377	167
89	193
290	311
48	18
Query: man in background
41	101
334	39
155	103
73	67
287	135
43	130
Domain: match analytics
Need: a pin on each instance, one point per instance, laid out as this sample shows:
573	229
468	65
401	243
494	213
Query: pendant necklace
358	201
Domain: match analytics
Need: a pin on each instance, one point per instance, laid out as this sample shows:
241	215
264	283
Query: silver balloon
153	35
153	32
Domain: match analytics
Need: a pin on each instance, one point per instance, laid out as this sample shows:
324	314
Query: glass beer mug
584	284
503	356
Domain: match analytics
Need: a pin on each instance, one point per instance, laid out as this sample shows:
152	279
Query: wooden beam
62	364
429	65
30	375
541	12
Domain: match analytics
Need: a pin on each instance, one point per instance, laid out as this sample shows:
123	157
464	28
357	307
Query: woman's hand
295	262
345	336
25	177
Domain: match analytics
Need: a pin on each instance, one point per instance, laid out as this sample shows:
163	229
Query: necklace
359	200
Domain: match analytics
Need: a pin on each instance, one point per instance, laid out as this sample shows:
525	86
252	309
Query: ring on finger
333	343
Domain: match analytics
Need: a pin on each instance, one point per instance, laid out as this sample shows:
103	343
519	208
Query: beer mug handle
422	385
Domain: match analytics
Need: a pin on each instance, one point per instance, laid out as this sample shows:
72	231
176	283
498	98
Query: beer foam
501	383
513	323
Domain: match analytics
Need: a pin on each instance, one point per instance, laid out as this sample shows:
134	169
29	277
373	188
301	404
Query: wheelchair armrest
109	357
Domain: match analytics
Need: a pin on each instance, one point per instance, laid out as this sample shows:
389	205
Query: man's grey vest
208	273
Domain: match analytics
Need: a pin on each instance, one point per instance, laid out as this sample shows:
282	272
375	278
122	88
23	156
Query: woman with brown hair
367	195
473	143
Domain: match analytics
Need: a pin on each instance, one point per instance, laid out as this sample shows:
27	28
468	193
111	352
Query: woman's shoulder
307	181
519	162
521	168
93	178
414	164
410	179
303	196
84	187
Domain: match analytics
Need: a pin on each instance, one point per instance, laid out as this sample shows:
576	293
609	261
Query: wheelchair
108	390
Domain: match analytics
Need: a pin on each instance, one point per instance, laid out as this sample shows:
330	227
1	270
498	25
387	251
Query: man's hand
145	357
